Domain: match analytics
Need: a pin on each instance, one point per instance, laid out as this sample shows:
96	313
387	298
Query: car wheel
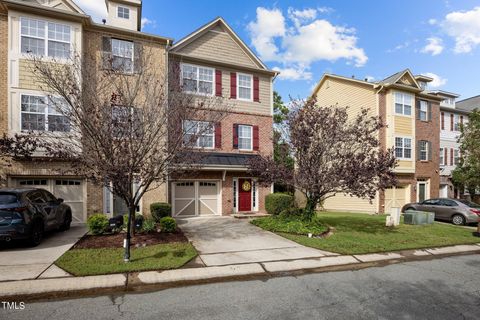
458	220
36	236
67	221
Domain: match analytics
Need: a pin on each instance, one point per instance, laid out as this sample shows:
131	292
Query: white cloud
437	80
301	40
464	27
434	46
269	24
145	21
96	9
294	73
432	21
370	78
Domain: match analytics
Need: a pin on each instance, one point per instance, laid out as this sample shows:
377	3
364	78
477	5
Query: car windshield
7	198
469	203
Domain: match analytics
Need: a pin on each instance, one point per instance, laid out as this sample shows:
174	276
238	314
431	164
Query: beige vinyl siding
218	46
342	202
347	93
403	126
400	126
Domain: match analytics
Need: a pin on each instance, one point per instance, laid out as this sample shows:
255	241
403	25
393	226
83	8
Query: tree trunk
310	208
131	216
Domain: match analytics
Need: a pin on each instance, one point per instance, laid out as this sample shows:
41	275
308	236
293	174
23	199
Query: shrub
158	210
148	225
291	213
293	226
97	224
168	224
277	202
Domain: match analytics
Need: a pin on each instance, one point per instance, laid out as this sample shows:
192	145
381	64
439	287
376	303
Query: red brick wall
3	73
429	131
265	135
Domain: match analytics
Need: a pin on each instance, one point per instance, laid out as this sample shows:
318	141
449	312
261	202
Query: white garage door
193	198
70	190
396	197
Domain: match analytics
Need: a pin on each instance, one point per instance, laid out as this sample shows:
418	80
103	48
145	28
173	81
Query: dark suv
28	213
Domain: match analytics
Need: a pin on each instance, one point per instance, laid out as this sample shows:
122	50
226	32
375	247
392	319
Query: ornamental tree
333	154
467	173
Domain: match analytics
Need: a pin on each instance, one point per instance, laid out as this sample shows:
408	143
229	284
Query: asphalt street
447	288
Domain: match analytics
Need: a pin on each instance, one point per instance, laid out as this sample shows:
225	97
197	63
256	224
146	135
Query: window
423	112
448	203
442	157
244	89
33	182
126	122
423	85
199	134
122	55
403	148
432	202
423	150
41	114
450	101
45	39
197	79
456	157
456	122
403	104
67	182
245	137
123	12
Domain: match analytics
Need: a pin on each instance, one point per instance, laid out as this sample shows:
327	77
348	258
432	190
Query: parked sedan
458	211
28	213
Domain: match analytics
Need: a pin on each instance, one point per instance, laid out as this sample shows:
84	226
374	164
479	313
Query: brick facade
429	131
3	73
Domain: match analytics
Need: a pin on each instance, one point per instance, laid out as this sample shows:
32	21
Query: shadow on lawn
163	254
362	223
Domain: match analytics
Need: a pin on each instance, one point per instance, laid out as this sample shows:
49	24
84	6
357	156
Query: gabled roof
421	77
397	77
211	25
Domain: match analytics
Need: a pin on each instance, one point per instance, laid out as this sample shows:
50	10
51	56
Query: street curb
58	288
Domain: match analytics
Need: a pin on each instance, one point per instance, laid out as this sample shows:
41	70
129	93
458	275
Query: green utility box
418	217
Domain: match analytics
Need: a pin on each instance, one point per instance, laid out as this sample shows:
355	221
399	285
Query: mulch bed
116	240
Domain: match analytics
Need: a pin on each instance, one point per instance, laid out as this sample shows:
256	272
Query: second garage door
194	198
396	197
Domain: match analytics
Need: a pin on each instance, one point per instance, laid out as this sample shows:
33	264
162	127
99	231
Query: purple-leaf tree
333	154
17	146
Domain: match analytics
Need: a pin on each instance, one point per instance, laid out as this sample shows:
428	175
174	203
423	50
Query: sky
367	39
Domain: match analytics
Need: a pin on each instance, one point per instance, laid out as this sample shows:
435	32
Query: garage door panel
185	207
208	207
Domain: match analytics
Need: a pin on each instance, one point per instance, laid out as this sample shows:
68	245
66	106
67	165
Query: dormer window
123	13
423	85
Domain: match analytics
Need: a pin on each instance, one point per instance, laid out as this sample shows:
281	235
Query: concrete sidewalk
226	241
70	286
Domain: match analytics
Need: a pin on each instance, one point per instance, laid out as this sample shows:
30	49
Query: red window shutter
233	85
446	157
256	90
218	135
218	83
461	120
256	140
451	156
235	136
443	120
451	121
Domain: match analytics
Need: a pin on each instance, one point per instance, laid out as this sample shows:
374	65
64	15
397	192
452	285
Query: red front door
244	195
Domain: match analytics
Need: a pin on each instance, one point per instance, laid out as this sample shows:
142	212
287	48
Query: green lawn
85	262
362	233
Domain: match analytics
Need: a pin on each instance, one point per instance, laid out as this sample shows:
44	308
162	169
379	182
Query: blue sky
305	39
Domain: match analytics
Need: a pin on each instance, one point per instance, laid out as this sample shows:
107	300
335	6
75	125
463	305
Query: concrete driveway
226	240
18	262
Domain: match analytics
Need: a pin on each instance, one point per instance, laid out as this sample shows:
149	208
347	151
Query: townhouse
411	114
451	120
213	55
215	61
58	29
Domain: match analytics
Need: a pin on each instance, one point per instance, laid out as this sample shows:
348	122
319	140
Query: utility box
418	217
